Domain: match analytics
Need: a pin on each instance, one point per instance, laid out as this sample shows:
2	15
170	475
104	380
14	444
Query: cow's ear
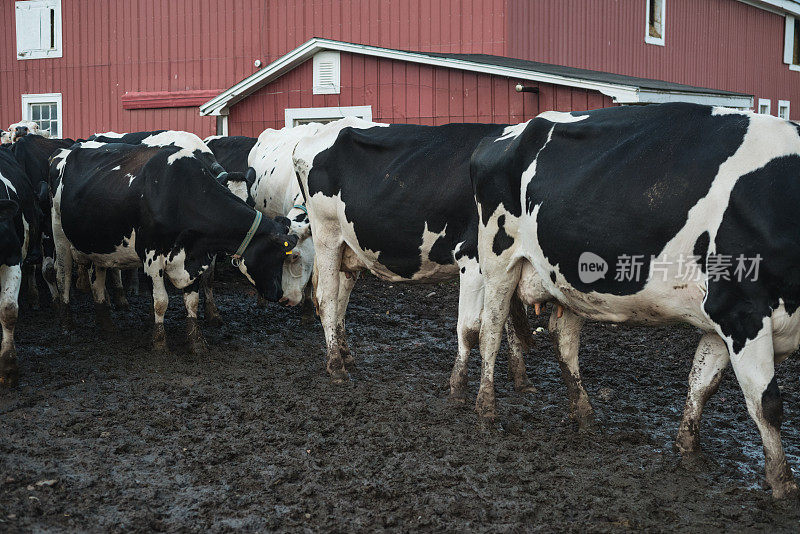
283	221
250	177
44	193
8	208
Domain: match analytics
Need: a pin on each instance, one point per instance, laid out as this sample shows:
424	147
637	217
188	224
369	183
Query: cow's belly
124	255
785	332
355	258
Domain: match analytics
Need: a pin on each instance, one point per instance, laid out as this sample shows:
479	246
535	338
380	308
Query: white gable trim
779	7
622	94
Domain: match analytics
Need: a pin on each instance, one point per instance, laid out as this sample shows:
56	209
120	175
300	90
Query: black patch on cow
396	181
232	151
772	404
12	231
621	182
553	276
701	249
502	241
463	269
760	220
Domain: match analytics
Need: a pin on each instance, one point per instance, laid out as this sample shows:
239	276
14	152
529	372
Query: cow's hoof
103	318
687	444
212	317
457	396
198	346
786	491
9	371
340	376
160	339
119	299
197	343
485	407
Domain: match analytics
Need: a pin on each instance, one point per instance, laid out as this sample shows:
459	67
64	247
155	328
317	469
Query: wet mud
104	435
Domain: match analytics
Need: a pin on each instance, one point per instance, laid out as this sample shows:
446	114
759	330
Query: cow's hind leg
102	308
10	281
82	282
63	269
470	304
710	361
565	332
194	336
754	365
346	283
516	321
31	289
118	290
131	276
307	310
326	290
209	306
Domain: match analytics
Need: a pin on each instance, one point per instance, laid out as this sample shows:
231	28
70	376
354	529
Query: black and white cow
20	129
231	151
396	200
160	207
18	219
33	153
658	214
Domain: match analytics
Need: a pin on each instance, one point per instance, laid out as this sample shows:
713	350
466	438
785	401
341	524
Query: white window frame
57	50
329	56
784	104
765	102
660	41
333	113
44	98
788	44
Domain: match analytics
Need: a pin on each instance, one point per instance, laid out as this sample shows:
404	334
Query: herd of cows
671	213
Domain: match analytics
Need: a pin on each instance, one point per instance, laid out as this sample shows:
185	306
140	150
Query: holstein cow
231	151
121	205
188	141
5	137
22	128
276	191
33	153
17	219
658	214
396	200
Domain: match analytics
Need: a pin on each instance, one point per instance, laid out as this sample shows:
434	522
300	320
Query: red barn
84	66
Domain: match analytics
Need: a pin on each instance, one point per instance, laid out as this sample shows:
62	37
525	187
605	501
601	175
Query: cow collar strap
301	207
246	241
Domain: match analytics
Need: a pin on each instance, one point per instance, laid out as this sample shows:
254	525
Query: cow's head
239	184
263	259
300	263
5	137
23	128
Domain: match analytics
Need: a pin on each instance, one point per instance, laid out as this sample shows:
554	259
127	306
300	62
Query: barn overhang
622	89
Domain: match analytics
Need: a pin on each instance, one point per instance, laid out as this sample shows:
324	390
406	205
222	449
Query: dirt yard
104	436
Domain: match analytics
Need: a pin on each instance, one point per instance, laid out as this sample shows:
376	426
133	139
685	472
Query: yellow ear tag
286	244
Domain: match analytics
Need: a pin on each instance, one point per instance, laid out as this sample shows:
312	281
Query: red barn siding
720	44
117	46
401	92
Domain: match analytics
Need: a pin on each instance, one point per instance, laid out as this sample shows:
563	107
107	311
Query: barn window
298	116
326	73
791	43
44	110
38	26
655	21
764	105
783	109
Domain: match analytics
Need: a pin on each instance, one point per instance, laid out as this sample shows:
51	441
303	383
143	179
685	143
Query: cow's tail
519	320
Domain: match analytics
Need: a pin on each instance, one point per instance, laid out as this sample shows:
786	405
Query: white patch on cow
510	132
130	178
243	270
92	144
185	140
116	168
431	271
238	188
123	257
175	269
561	117
110	135
182	153
212	138
8	184
10	282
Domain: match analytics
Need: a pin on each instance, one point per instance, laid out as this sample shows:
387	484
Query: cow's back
404	187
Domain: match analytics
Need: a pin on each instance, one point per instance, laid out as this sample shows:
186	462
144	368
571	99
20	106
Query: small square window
44	110
38	29
764	106
656	11
783	109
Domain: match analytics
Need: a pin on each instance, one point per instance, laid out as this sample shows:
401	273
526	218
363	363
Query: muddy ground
103	435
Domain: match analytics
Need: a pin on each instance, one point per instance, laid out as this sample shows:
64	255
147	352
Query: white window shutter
29	28
326	73
788	41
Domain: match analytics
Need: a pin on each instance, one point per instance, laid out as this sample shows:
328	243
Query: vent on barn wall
326	73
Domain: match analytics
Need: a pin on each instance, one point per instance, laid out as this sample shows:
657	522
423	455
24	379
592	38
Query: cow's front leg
10	281
346	283
31	289
102	308
565	331
82	282
754	365
499	288
154	268
210	307
326	291
118	290
710	360
194	337
307	311
132	276
470	304
516	348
